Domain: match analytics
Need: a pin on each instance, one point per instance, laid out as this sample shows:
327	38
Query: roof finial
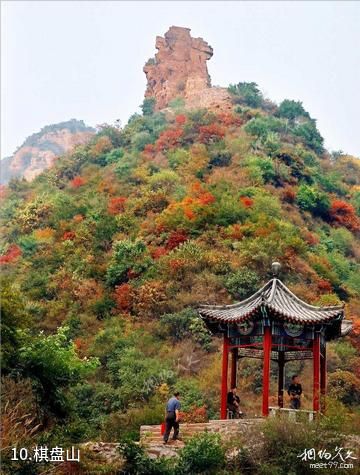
275	267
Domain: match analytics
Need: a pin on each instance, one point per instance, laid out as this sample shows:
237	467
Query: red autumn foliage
211	133
180	119
236	231
310	238
288	195
77	182
168	139
3	191
117	205
11	254
175	239
158	252
195	414
226	118
246	201
149	148
69	236
131	274
176	264
324	286
78	218
344	214
123	296
206	198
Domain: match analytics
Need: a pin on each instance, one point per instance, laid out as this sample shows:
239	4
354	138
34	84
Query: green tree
53	365
312	199
246	93
148	106
242	283
291	110
127	255
310	134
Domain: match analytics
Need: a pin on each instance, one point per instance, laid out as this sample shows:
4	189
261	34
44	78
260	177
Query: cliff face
40	150
179	69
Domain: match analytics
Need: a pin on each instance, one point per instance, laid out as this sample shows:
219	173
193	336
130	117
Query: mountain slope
110	251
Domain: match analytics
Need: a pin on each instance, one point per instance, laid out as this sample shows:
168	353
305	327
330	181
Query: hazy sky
84	60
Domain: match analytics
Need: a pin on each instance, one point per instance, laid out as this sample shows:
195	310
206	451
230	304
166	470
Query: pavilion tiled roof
277	300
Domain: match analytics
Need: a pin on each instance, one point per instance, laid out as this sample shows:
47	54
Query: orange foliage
117	205
211	133
78	218
123	297
3	191
310	238
189	213
226	118
288	195
236	231
77	182
46	233
11	254
168	139
344	214
158	252
206	198
102	145
196	414
246	201
149	150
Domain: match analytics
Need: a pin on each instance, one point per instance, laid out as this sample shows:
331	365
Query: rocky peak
40	150
179	69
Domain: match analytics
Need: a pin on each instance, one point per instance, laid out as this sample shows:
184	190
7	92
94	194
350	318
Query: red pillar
234	355
281	361
316	368
224	377
266	370
323	379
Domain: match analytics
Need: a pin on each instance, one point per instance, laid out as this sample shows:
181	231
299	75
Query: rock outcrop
179	70
40	150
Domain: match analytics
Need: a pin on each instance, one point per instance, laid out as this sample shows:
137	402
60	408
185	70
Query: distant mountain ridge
40	150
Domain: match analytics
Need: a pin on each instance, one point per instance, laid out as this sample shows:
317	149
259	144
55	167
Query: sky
84	60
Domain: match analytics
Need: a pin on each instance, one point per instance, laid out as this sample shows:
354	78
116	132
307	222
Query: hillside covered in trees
106	256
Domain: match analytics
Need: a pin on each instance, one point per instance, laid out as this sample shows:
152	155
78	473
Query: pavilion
275	325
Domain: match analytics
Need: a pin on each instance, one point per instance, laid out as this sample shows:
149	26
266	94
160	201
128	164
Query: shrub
137	462
148	105
345	387
52	363
139	140
291	110
311	136
184	324
220	158
344	214
262	126
202	454
127	255
312	199
246	93
242	283
77	182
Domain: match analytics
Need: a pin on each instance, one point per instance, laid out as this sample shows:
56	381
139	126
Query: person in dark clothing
172	417
295	391
233	402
